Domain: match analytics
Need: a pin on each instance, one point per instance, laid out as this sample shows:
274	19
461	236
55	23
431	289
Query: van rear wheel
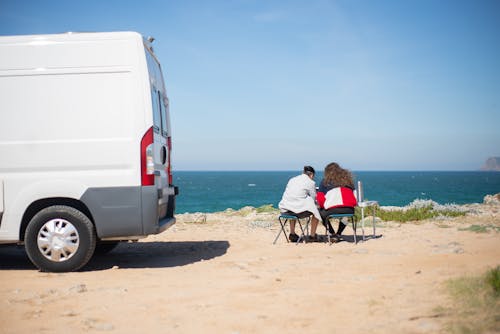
59	239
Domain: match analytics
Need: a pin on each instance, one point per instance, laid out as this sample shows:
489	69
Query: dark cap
309	169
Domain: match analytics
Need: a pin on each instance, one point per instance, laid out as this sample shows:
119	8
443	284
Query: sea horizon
359	170
321	170
218	190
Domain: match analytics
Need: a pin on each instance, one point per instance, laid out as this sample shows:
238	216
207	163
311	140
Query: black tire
104	247
67	249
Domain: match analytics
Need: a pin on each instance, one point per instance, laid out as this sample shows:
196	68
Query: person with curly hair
336	195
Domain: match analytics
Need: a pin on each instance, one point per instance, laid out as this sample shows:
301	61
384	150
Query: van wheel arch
41	204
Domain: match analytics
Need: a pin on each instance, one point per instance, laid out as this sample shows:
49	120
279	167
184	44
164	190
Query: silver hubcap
58	240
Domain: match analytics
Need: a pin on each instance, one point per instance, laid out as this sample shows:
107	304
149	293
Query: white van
85	145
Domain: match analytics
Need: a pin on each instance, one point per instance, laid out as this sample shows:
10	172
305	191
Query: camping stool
339	216
285	217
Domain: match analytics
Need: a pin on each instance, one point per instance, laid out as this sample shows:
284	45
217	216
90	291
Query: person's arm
311	189
320	199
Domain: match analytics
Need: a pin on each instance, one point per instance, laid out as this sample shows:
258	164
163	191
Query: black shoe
314	238
293	237
334	238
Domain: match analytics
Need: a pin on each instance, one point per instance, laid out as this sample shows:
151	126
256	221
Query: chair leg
353	222
303	236
308	222
373	222
327	232
298	220
363	229
282	230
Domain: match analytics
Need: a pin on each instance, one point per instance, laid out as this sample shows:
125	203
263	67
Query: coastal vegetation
418	210
481	228
266	209
476	303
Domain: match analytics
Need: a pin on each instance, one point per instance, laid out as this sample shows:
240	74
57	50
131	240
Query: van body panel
156	218
73	110
115	211
22	190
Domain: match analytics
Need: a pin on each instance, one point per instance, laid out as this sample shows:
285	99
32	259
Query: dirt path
225	276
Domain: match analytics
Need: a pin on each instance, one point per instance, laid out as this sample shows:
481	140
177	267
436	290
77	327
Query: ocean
212	191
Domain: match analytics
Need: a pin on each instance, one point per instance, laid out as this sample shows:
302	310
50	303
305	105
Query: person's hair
337	176
309	170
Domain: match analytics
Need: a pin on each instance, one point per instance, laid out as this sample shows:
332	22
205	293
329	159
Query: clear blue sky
274	85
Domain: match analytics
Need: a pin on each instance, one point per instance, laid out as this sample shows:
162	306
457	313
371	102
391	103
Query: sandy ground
226	276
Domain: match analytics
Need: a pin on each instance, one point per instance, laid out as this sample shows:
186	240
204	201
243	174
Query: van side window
156	112
163	110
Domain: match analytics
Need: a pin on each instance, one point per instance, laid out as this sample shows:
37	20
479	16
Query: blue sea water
216	191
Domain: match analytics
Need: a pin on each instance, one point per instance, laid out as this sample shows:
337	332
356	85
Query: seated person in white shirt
299	198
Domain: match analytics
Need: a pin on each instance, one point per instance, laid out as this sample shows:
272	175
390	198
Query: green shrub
476	303
480	228
493	280
416	211
268	208
475	228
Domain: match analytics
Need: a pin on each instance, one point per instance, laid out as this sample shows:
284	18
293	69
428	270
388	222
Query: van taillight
169	165
147	163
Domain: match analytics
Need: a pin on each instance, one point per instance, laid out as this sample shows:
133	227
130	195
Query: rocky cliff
492	164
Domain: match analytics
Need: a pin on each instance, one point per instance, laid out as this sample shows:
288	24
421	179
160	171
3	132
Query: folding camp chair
286	217
339	216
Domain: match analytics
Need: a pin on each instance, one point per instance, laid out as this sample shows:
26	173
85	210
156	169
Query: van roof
74	36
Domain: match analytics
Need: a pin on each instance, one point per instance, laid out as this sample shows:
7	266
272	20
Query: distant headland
492	164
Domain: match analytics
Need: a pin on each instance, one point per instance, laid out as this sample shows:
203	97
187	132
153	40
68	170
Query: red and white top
336	197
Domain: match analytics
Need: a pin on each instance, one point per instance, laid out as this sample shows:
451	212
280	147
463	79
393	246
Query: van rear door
162	142
1	200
